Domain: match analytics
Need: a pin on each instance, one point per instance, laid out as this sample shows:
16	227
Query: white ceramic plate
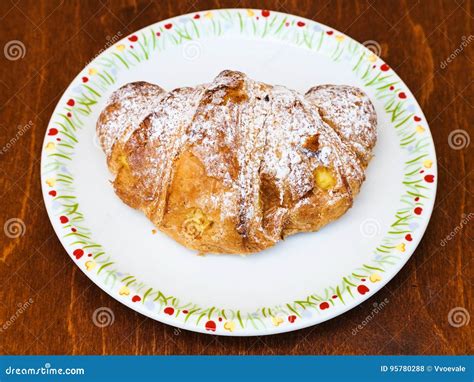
308	278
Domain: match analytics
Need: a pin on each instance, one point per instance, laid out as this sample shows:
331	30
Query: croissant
236	165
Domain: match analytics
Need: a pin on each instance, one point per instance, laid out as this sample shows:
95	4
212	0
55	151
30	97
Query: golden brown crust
236	165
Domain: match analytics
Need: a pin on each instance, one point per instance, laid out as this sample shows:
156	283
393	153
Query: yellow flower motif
401	247
91	264
427	163
50	147
209	15
230	326
250	13
120	47
51	182
372	57
419	129
339	37
124	291
92	71
374	277
277	321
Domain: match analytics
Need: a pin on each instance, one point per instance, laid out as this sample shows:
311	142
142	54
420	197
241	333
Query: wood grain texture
62	37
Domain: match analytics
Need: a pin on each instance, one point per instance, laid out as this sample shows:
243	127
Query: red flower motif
168	26
78	253
384	67
211	326
418	210
429	178
362	289
169	310
292	318
136	298
324	305
63	219
133	38
402	95
265	13
300	24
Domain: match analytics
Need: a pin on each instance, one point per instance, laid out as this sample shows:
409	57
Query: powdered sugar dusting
350	113
126	108
243	132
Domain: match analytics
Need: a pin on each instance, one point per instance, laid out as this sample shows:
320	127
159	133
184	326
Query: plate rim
300	324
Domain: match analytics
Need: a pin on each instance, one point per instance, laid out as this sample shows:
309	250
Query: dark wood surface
61	37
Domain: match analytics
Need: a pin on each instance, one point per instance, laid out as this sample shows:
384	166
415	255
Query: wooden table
416	37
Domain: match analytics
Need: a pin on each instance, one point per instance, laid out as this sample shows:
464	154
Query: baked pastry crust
236	165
